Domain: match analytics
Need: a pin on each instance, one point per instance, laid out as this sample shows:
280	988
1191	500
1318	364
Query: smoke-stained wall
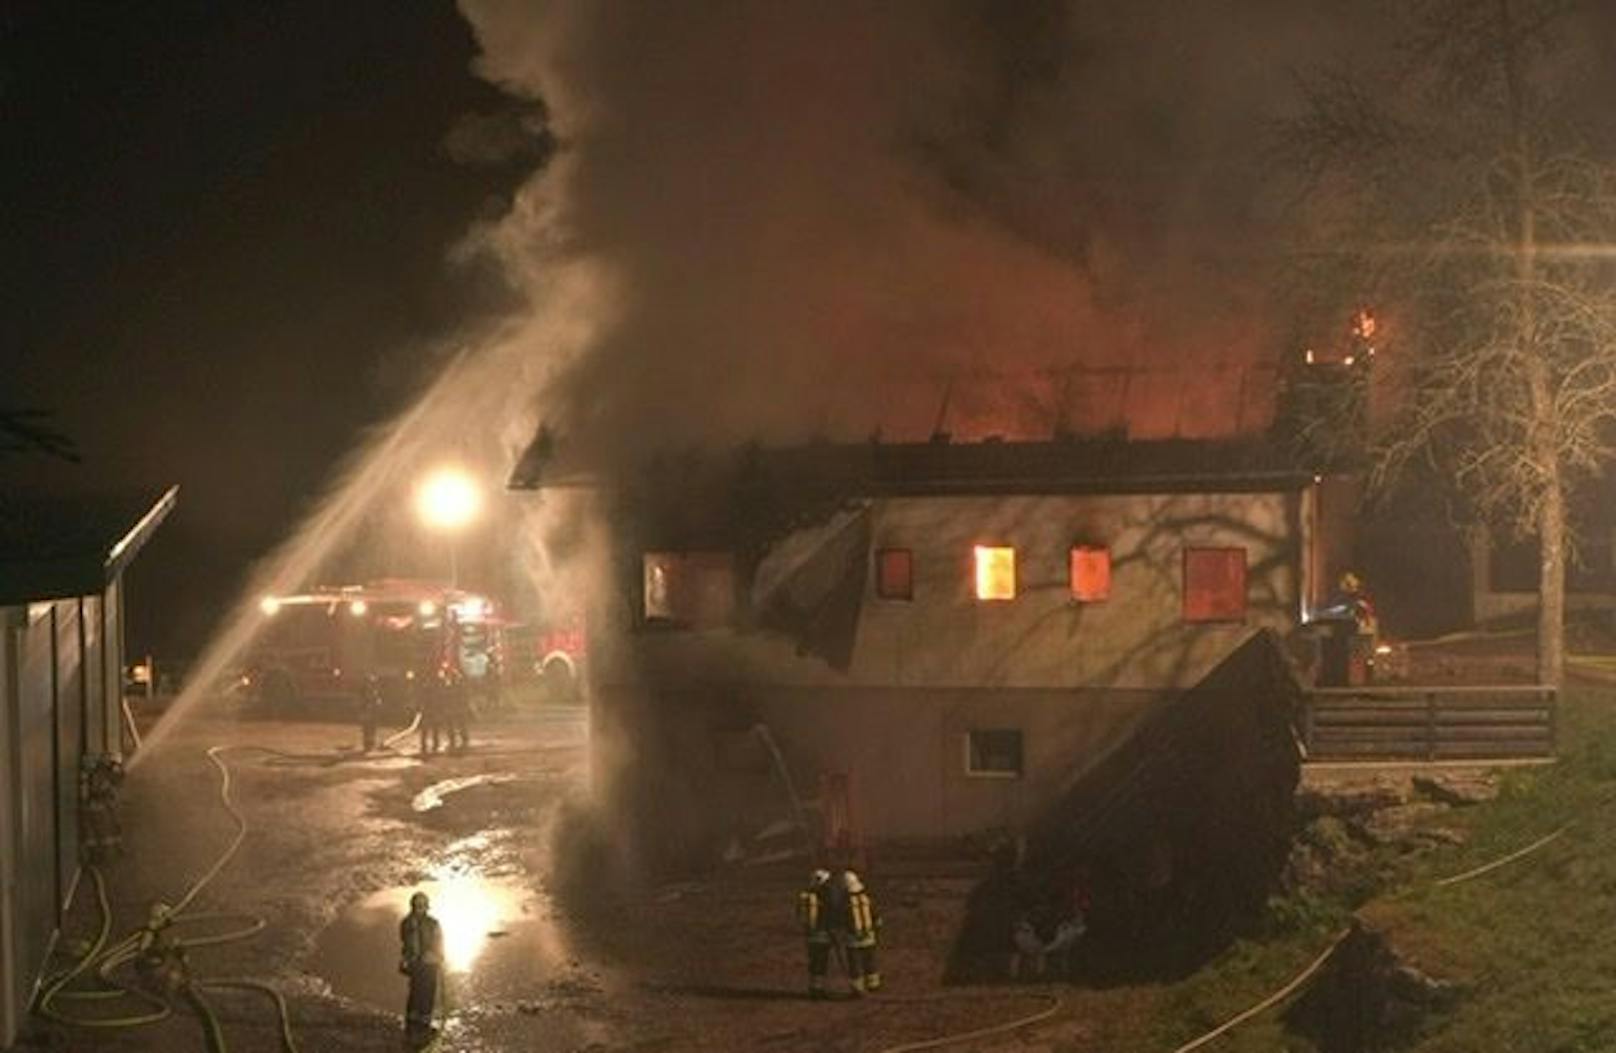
924	673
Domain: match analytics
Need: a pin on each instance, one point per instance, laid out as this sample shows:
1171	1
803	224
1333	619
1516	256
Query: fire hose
1282	994
100	960
103	960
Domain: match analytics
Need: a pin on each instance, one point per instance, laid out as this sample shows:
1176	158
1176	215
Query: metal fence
1429	723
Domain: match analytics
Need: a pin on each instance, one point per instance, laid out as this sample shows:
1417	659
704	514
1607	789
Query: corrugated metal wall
69	744
33	761
112	664
10	641
60	686
95	684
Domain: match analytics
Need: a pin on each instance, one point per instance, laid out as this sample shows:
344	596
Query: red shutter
895	574
1214	584
1091	574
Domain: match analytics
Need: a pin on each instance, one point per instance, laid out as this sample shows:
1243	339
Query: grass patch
1527	942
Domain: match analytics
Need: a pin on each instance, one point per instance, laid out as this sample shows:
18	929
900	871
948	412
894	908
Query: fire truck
371	641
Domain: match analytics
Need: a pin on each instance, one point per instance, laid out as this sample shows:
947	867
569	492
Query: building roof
54	547
1084	428
872	469
1069	466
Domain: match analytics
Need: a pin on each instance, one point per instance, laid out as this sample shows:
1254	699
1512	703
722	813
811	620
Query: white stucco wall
944	637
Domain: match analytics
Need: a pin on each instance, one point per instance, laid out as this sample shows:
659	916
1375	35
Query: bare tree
1458	194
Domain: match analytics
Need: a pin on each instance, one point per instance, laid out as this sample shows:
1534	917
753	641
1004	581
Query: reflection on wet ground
500	940
432	797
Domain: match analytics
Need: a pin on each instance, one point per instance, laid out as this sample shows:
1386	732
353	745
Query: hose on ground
102	961
1054	1006
1306	974
1272	1000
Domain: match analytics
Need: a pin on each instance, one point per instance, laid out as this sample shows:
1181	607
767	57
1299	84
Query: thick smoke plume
809	213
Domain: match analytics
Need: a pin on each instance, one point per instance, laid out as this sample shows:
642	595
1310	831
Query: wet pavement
337	841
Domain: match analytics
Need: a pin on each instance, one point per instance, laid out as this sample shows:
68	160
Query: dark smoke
794	214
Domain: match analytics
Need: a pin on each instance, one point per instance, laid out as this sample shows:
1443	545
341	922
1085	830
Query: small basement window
1214	584
895	574
689	589
1091	573
995	572
994	753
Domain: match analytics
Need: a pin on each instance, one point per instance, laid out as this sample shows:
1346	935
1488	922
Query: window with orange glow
1214	584
895	574
995	572
689	589
1091	573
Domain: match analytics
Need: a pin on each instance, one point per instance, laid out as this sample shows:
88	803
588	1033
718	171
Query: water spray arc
486	393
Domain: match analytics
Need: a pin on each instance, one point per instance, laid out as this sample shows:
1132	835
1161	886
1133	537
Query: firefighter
1353	600
812	913
430	705
456	705
99	779
420	959
862	924
370	710
160	960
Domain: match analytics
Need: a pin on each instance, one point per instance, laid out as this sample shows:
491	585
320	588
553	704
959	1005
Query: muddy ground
337	841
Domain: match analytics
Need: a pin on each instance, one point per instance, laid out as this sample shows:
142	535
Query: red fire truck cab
342	643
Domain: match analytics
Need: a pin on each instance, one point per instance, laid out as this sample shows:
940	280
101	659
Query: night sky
228	252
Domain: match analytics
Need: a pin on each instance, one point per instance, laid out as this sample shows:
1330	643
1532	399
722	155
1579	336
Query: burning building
923	638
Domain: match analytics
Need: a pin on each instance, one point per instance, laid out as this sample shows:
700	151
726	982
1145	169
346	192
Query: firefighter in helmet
862	923
812	912
421	960
838	917
1354	599
160	959
99	779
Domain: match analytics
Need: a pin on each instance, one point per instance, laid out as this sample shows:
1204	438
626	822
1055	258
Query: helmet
851	880
1350	582
819	877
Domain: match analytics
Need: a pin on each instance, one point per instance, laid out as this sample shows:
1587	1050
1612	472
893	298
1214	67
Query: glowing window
995	572
691	589
1214	584
994	752
1091	573
895	574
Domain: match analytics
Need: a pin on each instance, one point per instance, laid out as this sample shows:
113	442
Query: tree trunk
1542	429
1551	586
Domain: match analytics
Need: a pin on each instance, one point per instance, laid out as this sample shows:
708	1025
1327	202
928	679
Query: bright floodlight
448	499
269	605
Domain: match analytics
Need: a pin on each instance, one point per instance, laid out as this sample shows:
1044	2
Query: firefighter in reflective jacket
861	968
813	913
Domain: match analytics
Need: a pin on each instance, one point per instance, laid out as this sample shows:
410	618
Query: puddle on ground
432	797
500	941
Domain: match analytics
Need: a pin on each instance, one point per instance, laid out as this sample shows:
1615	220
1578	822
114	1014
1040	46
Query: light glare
448	499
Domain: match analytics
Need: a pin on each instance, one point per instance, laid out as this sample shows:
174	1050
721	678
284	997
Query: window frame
973	772
685	559
1245	587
